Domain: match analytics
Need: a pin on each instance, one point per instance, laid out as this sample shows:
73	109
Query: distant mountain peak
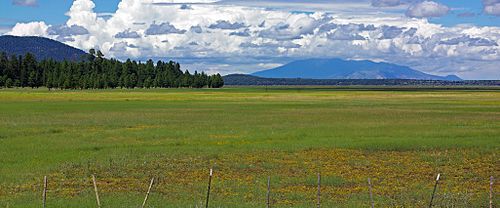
40	47
336	68
453	78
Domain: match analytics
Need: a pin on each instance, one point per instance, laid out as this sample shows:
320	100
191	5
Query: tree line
97	72
248	80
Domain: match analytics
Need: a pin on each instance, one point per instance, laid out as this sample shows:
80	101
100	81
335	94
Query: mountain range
347	69
41	48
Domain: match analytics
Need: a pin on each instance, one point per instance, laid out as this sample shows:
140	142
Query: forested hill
41	48
97	72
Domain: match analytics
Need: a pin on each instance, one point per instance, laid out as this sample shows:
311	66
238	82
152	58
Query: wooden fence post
96	192
491	192
434	192
209	186
318	203
149	191
268	195
44	195
371	193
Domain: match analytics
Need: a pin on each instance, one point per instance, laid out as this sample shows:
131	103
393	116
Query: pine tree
2	81
9	83
148	83
28	74
3	64
32	79
49	82
91	56
216	81
12	71
132	81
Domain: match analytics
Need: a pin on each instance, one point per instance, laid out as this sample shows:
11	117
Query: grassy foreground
400	139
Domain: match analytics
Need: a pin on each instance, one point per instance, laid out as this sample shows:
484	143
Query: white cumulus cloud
228	38
30	29
427	9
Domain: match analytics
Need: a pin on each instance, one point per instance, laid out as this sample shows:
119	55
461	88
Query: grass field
399	138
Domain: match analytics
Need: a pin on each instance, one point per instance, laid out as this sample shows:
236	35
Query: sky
440	37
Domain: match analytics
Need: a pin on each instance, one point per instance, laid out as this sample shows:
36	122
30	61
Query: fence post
44	195
434	192
371	193
491	192
268	195
96	192
209	186
149	191
319	191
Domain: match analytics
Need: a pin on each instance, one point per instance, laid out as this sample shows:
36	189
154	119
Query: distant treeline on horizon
97	72
250	80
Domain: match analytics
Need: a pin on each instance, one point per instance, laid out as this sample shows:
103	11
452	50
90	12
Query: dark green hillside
41	48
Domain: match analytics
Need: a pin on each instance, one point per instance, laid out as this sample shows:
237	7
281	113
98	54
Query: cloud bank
230	38
385	3
31	3
492	7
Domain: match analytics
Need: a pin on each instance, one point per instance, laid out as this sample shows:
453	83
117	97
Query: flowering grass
401	139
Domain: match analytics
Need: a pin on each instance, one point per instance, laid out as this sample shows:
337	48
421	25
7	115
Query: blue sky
46	10
54	13
469	7
440	37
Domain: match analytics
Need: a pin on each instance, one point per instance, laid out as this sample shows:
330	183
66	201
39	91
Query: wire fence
269	201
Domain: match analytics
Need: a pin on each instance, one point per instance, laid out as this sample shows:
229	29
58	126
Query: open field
399	138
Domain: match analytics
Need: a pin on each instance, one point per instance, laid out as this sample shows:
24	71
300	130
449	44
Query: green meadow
400	138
